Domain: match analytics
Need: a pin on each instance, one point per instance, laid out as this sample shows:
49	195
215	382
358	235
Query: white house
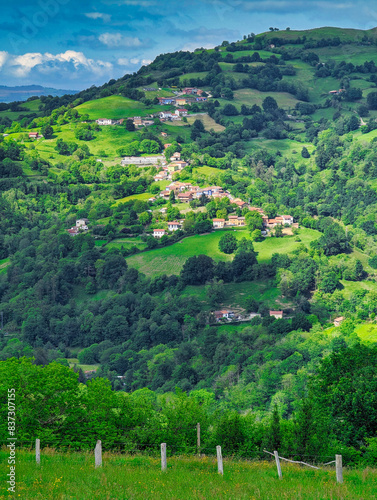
165	115
174	226
181	112
159	233
82	224
105	121
288	219
218	223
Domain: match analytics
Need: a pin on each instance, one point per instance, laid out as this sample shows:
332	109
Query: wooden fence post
220	469
278	464
38	451
339	469
98	454
198	438
163	457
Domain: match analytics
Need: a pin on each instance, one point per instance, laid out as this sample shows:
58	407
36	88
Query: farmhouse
192	91
159	233
218	223
185	197
175	156
143	160
224	313
181	101
166	100
105	121
240	203
82	224
338	321
174	225
288	219
181	112
33	135
277	314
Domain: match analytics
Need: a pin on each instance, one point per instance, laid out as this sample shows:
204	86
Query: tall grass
73	476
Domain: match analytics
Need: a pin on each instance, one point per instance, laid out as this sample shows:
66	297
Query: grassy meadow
63	476
170	259
116	107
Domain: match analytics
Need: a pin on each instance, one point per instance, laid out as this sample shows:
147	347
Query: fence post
339	469
38	451
278	464
220	469
98	454
198	438
163	457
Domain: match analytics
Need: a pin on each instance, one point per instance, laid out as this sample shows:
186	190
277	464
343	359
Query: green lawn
116	107
124	477
142	197
126	243
367	332
170	259
208	122
236	294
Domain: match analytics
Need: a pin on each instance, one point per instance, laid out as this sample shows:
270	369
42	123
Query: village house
165	115
192	91
164	134
288	219
159	233
218	223
185	197
105	121
33	135
175	156
224	313
240	203
166	100
181	164
152	199
82	224
277	314
338	321
174	226
181	101
181	112
234	220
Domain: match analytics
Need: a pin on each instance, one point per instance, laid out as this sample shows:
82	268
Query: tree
130	125
197	270
329	282
269	104
47	131
228	243
305	153
172	196
278	231
372	100
253	220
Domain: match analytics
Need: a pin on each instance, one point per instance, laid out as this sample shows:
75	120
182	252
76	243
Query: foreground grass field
170	260
73	477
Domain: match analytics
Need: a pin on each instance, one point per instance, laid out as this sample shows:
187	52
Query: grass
74	361
4	263
253	96
142	197
126	243
208	122
170	259
116	107
72	476
237	293
352	286
367	332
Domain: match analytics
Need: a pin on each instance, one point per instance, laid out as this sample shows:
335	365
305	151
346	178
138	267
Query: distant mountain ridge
23	92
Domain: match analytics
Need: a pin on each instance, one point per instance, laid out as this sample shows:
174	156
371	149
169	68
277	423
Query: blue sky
73	44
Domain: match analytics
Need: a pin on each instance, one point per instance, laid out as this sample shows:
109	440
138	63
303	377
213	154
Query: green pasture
126	243
344	34
142	197
116	107
236	294
208	122
73	475
170	259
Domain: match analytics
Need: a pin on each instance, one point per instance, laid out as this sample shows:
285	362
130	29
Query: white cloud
69	62
3	57
119	40
106	18
124	61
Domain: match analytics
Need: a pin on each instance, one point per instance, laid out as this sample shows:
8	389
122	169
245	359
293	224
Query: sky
73	44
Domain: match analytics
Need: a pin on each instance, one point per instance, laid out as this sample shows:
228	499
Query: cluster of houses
176	116
172	226
229	315
234	220
109	121
185	191
80	227
193	95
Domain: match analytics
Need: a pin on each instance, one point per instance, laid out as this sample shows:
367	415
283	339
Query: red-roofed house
218	223
159	233
224	313
33	135
277	314
181	112
174	225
